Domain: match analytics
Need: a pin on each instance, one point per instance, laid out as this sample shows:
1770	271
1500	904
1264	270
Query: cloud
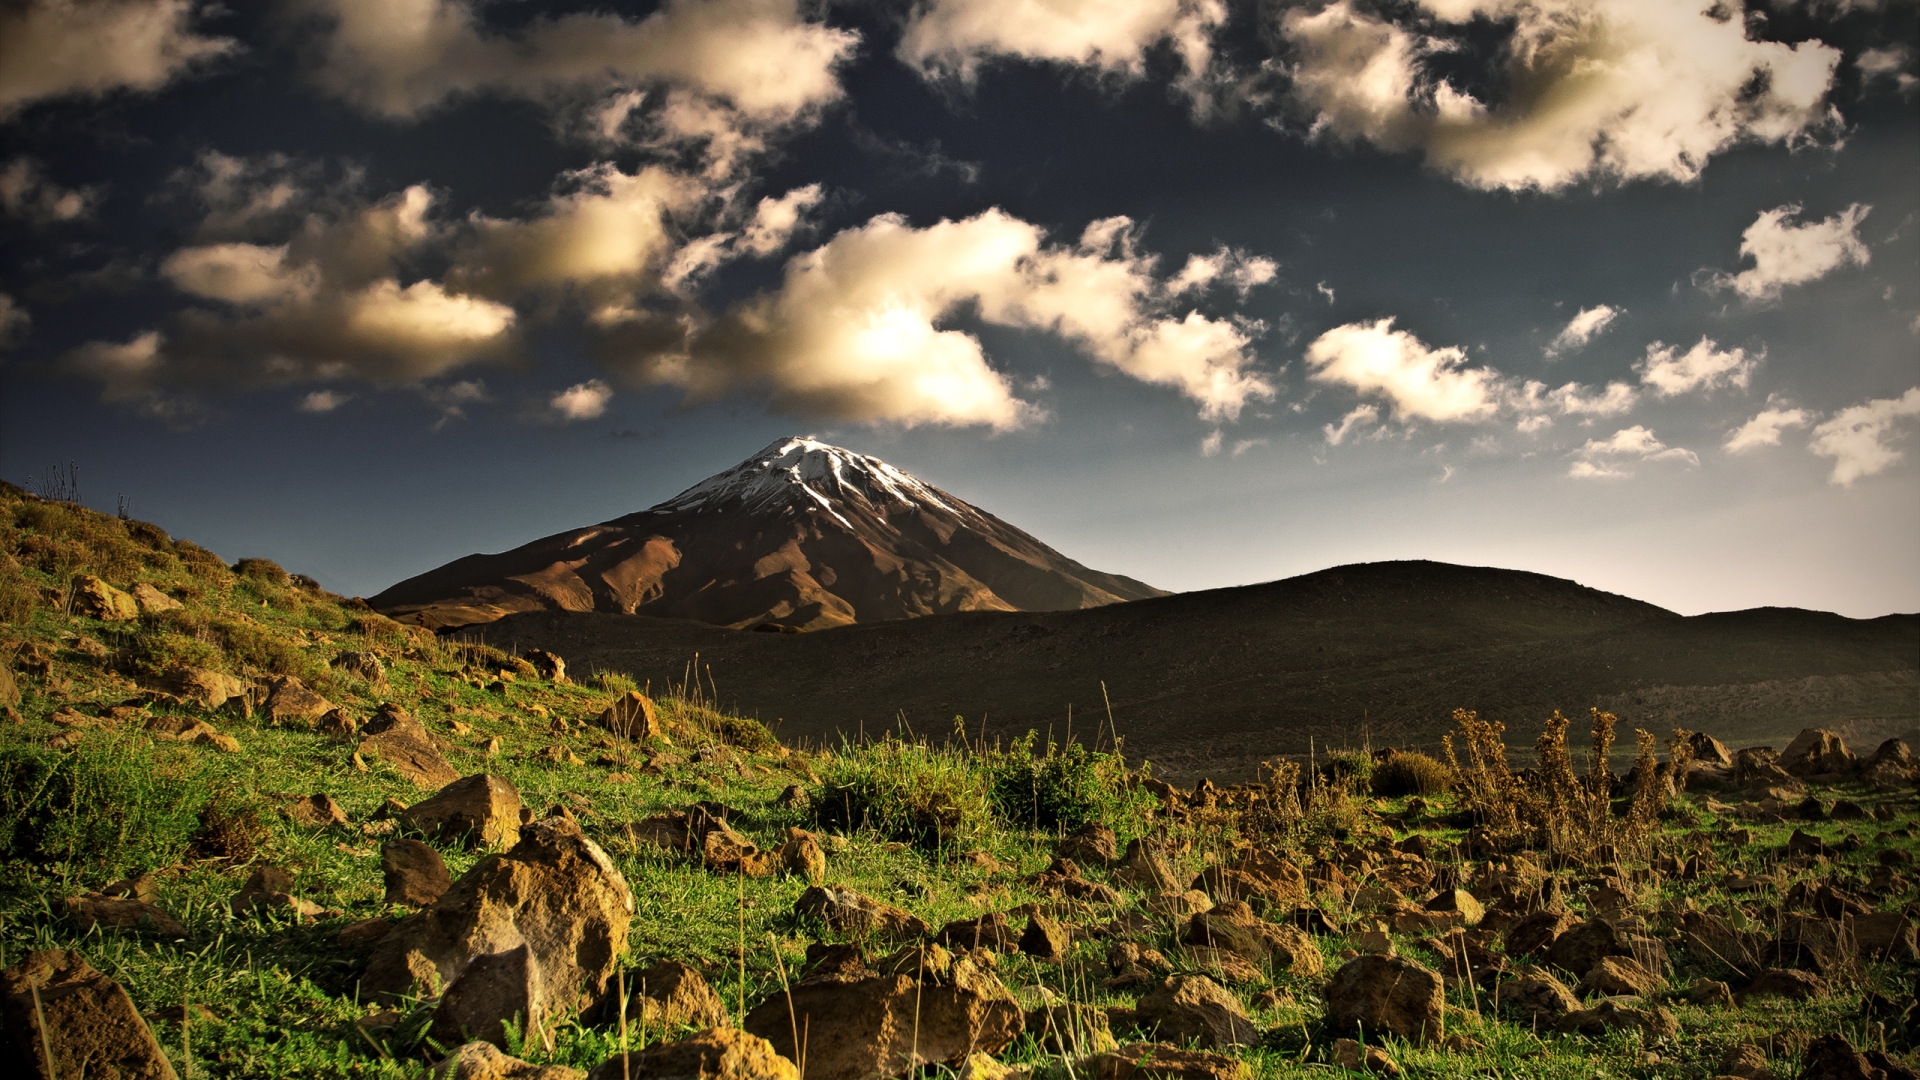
1784	253
241	273
1703	367
1858	437
59	48
324	401
582	401
953	38
252	198
1582	328
1574	400
1601	458
1241	446
26	193
1765	428
775	220
1600	90
1888	63
1420	383
1210	446
14	322
1360	416
857	330
1232	266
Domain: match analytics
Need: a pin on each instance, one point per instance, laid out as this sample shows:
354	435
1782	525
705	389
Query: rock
1613	976
1461	902
717	1053
122	913
484	1061
416	875
1817	751
992	931
1071	1030
849	912
367	666
857	1025
1807	942
792	797
1062	876
1789	983
289	700
1538	994
152	601
95	599
983	1067
1711	938
631	717
1652	1022
1212	931
1387	994
1887	935
1348	1054
803	857
1831	1057
548	666
316	811
555	893
1094	844
1045	939
664	998
1709	750
92	1028
1141	867
479	810
1710	993
400	740
337	725
210	689
1586	944
364	932
1158	1061
1256	873
1746	1061
1535	932
271	888
1194	1009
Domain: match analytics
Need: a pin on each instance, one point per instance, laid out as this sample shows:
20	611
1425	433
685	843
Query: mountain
800	536
1213	682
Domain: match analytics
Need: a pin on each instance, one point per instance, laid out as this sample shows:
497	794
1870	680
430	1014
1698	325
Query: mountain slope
1214	681
801	535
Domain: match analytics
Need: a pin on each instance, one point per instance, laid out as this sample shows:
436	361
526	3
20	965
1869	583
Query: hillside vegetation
212	794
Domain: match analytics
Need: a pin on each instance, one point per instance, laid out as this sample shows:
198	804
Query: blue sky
1204	293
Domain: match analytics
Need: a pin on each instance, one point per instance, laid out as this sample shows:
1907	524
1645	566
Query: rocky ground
249	829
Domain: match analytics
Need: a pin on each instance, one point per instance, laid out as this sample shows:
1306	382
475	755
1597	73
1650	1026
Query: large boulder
664	998
209	689
921	1007
415	874
91	1027
1195	1009
484	1061
1815	752
1256	873
1375	993
549	666
95	599
631	716
1708	750
482	810
717	1053
554	894
152	601
289	701
397	738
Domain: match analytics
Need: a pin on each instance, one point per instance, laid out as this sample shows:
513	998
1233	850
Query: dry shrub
1299	809
1411	773
262	570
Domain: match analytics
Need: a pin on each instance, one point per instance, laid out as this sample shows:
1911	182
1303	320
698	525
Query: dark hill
1213	681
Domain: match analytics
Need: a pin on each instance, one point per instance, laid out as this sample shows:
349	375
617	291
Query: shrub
1411	774
1351	768
907	791
262	570
18	597
1064	788
113	802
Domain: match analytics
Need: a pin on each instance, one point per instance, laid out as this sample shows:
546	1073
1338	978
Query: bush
1410	774
1354	768
1064	788
907	791
114	802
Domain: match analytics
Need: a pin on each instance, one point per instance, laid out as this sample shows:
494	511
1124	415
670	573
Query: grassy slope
282	994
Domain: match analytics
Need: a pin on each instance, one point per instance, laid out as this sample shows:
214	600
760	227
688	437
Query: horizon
1212	296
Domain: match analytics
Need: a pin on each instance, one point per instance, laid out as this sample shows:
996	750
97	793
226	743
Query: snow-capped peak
803	471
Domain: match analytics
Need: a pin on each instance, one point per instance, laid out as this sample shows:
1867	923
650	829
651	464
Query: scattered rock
1614	976
717	1053
1748	1062
1887	935
316	811
92	1028
663	998
548	666
1094	844
803	857
152	601
400	740
1535	932
849	912
1256	873
210	689
555	893
1158	1061
365	665
480	810
1651	1021
632	717
1709	750
992	931
1062	876
1538	994
1817	751
484	1061
289	701
95	599
1582	946
1808	942
271	888
1143	868
1831	1057
416	875
1789	983
1348	1054
336	724
792	797
364	932
122	913
1387	994
1193	1008
1710	993
1045	939
1461	902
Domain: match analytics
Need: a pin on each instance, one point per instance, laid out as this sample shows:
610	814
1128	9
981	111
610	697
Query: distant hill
802	535
1211	682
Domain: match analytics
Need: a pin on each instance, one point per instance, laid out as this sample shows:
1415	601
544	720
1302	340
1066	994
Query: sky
1205	292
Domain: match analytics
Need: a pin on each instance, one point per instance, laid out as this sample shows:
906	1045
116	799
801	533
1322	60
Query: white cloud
25	192
240	273
1360	416
1888	63
1765	428
123	369
1703	367
1210	446
953	38
1582	328
324	401
1607	90
1421	383
57	48
582	401
775	220
1600	458
1241	446
1858	437
1575	400
1527	425
14	321
1784	253
856	331
1236	268
248	198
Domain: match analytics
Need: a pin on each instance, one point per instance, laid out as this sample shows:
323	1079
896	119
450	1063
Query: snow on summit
802	471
